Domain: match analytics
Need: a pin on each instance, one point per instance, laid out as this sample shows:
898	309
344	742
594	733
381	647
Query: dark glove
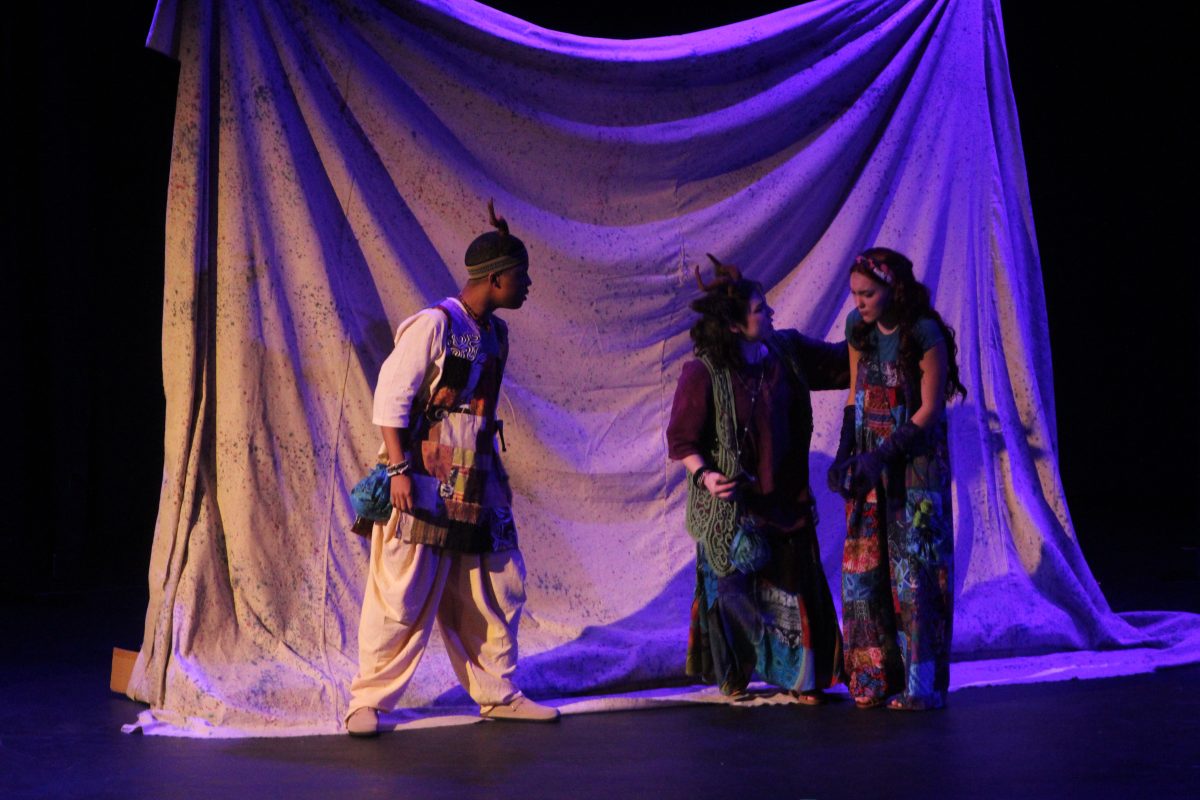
867	469
837	478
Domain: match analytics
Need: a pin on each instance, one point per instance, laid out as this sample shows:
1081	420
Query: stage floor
1125	737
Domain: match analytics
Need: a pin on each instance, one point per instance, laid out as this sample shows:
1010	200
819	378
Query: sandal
868	702
814	697
905	702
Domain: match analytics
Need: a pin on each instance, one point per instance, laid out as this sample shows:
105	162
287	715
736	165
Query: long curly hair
725	302
909	303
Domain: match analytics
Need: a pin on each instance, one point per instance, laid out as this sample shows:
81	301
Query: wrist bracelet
698	476
398	469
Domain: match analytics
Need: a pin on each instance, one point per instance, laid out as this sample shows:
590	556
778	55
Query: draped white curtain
333	159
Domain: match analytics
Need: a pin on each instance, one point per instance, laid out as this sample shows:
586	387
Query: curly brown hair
725	302
909	303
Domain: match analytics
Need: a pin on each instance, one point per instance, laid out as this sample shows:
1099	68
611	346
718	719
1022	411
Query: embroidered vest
710	520
460	489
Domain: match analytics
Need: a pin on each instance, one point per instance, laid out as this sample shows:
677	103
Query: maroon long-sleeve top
776	439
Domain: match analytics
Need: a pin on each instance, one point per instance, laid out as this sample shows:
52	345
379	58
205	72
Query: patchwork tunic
778	622
454	560
897	566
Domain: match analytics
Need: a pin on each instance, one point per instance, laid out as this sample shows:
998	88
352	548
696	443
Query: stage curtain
331	162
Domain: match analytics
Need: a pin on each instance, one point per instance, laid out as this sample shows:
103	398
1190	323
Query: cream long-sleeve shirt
414	366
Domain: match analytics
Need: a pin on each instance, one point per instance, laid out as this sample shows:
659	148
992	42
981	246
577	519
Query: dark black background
88	116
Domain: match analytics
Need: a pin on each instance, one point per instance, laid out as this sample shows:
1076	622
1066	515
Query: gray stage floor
60	737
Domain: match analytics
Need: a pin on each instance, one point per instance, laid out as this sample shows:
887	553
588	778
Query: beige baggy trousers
476	599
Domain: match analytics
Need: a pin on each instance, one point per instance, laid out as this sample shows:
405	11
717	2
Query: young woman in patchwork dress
893	468
741	424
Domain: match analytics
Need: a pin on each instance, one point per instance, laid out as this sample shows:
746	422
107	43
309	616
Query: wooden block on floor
122	668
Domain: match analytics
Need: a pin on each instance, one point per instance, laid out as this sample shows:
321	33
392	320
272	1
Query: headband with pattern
879	269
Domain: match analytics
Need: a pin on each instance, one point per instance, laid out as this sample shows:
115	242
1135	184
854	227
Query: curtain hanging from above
332	160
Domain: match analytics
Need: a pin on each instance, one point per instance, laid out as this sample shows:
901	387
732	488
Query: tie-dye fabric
897	565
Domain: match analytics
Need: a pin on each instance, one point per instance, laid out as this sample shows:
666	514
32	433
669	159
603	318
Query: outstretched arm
825	364
852	360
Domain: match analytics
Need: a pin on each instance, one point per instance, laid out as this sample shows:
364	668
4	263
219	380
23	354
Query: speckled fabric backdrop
332	160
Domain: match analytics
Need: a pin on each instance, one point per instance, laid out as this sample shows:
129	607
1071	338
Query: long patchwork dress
778	622
897	566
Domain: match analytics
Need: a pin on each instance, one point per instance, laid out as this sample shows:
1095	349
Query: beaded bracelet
698	477
398	469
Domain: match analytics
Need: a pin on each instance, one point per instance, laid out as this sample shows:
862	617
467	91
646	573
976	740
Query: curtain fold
332	160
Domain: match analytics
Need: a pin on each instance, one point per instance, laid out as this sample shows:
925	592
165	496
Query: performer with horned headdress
448	553
741	423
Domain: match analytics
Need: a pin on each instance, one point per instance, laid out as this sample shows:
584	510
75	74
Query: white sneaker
520	709
363	723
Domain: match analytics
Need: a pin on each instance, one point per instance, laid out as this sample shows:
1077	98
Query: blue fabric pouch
372	497
749	552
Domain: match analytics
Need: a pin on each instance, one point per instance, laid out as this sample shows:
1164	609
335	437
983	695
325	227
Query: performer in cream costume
449	551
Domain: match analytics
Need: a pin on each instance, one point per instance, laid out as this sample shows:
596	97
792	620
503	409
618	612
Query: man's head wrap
495	251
